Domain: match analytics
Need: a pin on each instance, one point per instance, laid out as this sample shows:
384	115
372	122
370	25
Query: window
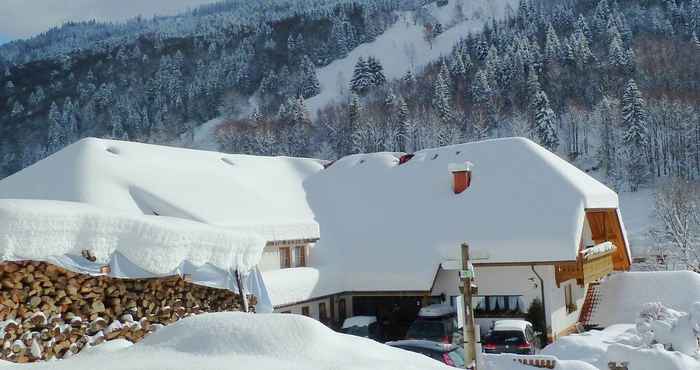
499	305
322	314
342	310
569	299
286	312
300	256
285	258
305	311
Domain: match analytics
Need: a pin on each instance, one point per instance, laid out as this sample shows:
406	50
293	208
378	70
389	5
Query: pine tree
56	132
552	49
361	78
409	77
545	127
441	99
17	109
582	27
635	136
376	71
617	56
310	86
9	86
7	72
404	125
482	89
696	41
354	113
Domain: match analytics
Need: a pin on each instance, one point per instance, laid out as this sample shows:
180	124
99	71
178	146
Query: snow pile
598	249
661	339
623	295
40	229
291	285
259	194
403	46
245	341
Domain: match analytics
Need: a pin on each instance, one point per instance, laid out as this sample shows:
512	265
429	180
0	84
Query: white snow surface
623	295
247	341
403	46
618	344
638	213
359	321
396	224
598	249
262	195
38	229
291	285
508	362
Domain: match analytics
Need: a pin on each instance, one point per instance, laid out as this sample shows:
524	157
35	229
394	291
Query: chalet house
370	234
392	225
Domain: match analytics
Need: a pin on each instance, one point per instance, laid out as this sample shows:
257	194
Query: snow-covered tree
310	86
17	109
696	41
552	49
361	77
376	71
441	98
635	136
545	125
56	131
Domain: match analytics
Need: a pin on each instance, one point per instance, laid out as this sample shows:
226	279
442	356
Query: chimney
461	176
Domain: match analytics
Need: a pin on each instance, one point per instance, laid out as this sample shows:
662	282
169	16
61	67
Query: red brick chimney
461	176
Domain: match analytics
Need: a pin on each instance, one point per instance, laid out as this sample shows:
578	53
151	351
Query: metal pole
469	334
544	308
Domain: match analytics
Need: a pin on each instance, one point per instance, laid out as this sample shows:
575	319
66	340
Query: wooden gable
605	226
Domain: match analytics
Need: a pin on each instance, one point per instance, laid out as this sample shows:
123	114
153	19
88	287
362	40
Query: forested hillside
613	86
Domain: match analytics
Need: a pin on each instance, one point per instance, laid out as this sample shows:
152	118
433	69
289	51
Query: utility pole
467	277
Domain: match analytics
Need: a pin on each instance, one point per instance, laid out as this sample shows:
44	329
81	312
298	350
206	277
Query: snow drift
245	341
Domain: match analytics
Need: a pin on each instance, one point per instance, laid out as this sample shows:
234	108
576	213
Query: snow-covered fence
542	362
48	312
618	366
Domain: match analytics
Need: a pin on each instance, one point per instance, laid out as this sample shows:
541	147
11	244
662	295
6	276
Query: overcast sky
24	18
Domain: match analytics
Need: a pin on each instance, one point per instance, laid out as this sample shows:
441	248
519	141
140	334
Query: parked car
449	354
437	322
512	336
363	326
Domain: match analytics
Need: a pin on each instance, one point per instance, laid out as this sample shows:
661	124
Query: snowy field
402	47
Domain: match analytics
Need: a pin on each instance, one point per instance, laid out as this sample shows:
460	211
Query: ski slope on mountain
403	46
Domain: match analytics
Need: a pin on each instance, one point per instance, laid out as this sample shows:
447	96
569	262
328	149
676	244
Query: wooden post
467	276
241	291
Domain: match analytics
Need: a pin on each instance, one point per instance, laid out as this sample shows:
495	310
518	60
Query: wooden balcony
588	268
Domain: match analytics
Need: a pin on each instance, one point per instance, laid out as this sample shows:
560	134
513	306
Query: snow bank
403	47
623	295
245	341
247	193
40	229
381	221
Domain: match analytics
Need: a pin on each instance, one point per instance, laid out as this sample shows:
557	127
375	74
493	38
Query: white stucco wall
313	308
517	280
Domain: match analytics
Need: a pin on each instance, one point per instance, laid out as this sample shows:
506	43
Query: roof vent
461	176
405	158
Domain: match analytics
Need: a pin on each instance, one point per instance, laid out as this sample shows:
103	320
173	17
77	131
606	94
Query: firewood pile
48	312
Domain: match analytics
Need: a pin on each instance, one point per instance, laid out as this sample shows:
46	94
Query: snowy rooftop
397	223
240	192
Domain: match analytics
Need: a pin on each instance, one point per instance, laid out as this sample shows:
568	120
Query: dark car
437	323
511	336
363	326
448	354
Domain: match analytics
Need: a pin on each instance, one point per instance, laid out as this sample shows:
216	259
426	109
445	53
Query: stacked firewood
49	312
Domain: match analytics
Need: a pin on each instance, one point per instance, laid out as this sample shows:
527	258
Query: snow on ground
403	47
617	344
246	341
638	215
624	294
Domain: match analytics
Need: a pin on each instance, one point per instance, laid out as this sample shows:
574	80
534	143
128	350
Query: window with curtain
285	258
499	305
300	256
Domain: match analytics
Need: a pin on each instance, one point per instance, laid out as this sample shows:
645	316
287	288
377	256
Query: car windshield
426	329
506	337
457	357
360	331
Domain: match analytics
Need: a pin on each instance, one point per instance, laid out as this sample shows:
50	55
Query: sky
25	18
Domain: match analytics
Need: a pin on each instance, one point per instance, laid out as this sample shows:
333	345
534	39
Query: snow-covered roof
359	321
247	193
43	229
381	221
516	325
